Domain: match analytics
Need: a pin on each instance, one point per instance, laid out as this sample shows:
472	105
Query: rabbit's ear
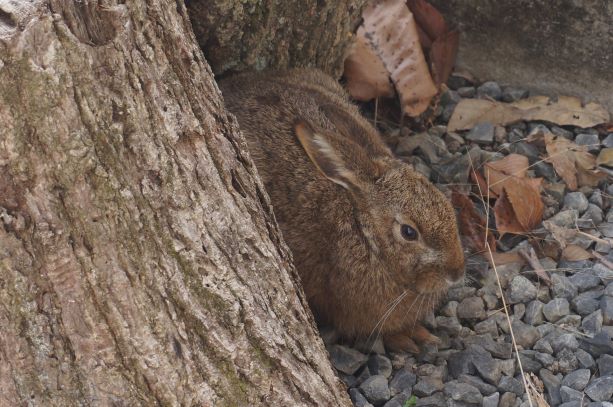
325	157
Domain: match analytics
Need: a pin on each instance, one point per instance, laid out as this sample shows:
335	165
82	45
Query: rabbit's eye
408	233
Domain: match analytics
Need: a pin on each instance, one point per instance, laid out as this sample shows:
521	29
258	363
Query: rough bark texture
140	263
254	35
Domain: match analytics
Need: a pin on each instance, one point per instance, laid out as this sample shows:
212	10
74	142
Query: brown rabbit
375	243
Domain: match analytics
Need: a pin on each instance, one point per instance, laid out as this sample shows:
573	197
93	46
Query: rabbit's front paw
408	340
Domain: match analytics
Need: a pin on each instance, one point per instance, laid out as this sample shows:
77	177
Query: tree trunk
255	34
140	263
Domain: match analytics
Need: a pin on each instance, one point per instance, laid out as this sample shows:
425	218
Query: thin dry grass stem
608	242
603	259
533	260
573	331
506	312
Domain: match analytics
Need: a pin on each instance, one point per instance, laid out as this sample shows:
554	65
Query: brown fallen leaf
560	234
525	197
564	111
392	33
438	41
605	160
366	75
507	258
506	221
471	223
572	162
575	253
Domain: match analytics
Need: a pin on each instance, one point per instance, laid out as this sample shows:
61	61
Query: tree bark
254	34
140	262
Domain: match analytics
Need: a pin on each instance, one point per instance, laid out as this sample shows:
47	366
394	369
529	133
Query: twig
536	264
603	259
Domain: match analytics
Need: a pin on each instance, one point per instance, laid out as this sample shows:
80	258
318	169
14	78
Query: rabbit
376	245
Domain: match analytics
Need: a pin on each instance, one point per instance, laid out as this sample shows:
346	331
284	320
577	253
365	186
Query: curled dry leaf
392	33
564	111
506	221
473	227
572	162
575	253
366	75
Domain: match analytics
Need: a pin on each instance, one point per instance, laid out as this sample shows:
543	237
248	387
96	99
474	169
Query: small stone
403	380
565	219
567	361
507	367
605	365
592	324
462	392
500	350
459	293
486	365
534	313
471	308
587	302
450	309
380	365
511	384
529	362
397	401
460	363
500	134
345	359
376	390
513	94
569	394
489	89
552	385
484	388
563	341
563	287
491	401
525	335
556	309
519	310
545	359
585	360
487	327
609	290
482	133
603	272
451	325
457	81
600	344
507	400
450	97
522	290
600	389
426	386
559	131
543	346
358	398
577	201
584	280
591	141
606	305
467	91
608	141
591	217
515	136
435	400
577	380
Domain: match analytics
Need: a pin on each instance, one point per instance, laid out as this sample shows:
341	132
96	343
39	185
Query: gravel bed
563	332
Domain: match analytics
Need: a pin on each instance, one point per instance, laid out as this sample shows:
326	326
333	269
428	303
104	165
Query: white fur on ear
324	156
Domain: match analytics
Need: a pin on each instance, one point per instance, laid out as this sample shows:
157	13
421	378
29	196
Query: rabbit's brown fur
340	198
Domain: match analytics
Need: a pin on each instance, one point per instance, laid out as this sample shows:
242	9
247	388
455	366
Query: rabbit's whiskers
379	326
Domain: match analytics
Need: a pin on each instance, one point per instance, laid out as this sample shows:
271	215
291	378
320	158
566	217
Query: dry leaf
525	197
443	53
366	75
506	221
483	187
507	258
471	223
428	18
572	162
605	159
564	111
560	234
513	164
575	253
391	31
536	390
